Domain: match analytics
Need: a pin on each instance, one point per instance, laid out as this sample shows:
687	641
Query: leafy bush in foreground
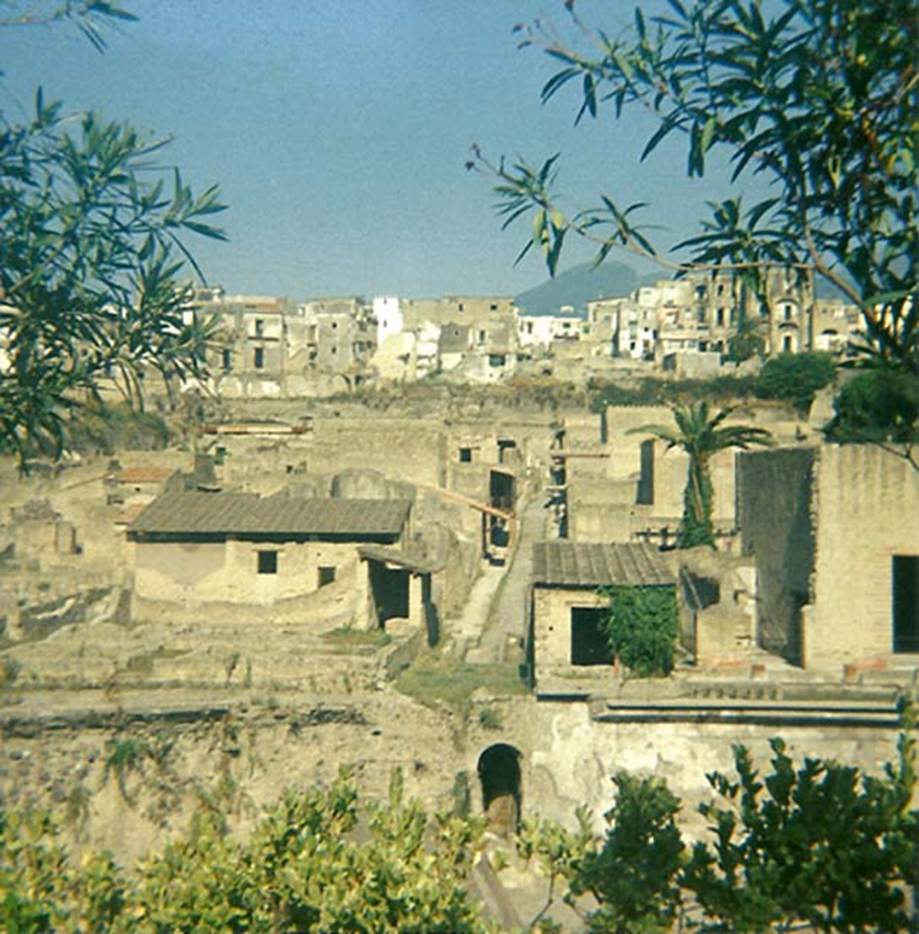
819	844
318	861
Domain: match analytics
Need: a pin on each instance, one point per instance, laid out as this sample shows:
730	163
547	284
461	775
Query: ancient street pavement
506	621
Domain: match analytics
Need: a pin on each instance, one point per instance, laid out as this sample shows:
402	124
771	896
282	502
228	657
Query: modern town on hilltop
272	347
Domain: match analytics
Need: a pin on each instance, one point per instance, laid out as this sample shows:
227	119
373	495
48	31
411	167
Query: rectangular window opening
906	604
465	455
326	575
259	358
267	562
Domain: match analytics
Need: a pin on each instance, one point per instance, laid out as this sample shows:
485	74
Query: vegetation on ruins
91	255
815	99
642	627
437	678
881	406
795	378
633	873
817	843
701	434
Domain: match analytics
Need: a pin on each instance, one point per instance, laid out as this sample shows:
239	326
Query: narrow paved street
495	615
507	620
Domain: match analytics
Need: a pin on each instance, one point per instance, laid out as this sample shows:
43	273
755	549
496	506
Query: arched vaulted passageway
499	777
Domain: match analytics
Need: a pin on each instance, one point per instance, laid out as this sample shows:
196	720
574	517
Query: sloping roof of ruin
176	512
410	559
583	564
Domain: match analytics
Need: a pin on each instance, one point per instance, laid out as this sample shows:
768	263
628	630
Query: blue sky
338	132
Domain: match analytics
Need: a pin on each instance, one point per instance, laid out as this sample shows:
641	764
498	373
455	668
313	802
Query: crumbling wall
718	607
568	758
775	504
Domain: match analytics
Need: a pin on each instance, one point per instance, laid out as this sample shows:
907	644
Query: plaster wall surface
568	759
222	578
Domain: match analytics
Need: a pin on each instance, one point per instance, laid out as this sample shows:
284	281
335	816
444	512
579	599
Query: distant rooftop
582	564
184	512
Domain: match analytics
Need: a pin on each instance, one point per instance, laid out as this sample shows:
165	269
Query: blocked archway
499	777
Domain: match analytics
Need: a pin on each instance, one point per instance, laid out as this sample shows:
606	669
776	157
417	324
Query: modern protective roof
408	559
582	564
248	513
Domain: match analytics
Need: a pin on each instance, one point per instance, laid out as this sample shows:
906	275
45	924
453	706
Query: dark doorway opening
431	619
499	776
646	477
501	490
589	643
906	603
390	591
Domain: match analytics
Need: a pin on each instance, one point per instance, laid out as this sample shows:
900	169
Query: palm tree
701	435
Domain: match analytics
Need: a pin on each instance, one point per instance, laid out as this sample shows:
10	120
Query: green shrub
634	874
642	627
319	860
651	390
795	378
877	405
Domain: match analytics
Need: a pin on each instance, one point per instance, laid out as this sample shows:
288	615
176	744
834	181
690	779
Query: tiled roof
248	513
582	564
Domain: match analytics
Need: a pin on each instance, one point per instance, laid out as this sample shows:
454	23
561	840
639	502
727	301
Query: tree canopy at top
91	256
817	97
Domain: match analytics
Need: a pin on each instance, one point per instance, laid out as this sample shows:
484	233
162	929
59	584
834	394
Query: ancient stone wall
552	627
775	504
601	510
867	504
404	448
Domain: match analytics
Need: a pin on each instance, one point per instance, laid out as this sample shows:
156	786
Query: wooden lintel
466	501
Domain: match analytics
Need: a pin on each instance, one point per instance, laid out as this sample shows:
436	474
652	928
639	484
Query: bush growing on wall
642	627
795	378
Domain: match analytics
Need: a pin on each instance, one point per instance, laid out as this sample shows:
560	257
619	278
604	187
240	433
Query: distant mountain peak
579	285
